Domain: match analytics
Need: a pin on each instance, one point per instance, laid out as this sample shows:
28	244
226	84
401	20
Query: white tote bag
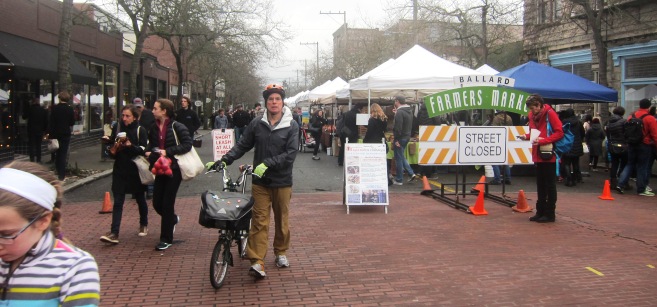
190	163
145	175
53	145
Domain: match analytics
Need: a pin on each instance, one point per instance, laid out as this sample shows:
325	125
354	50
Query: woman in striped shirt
37	266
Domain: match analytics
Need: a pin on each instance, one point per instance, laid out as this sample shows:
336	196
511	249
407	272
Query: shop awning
34	60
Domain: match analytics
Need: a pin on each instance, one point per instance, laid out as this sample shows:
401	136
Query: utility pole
346	37
316	47
415	20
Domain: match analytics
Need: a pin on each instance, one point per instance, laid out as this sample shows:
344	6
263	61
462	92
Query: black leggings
165	189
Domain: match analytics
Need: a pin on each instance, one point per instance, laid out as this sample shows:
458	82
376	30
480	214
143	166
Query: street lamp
316	47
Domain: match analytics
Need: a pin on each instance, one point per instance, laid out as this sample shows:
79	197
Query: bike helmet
273	88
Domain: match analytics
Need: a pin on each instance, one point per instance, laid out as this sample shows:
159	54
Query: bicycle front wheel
218	264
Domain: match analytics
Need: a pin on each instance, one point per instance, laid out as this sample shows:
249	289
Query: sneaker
281	261
395	182
143	231
495	182
414	177
110	238
162	246
177	221
315	158
507	181
257	270
619	190
646	193
648	189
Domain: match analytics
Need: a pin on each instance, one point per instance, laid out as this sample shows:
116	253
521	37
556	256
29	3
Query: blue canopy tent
557	86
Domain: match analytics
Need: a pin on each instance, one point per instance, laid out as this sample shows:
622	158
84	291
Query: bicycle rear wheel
218	264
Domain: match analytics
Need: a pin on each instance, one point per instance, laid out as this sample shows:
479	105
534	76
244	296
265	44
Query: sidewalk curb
83	181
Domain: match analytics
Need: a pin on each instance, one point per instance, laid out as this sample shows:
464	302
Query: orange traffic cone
481	185
478	208
606	192
107	204
522	206
425	184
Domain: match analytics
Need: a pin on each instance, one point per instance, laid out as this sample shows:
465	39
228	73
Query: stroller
306	140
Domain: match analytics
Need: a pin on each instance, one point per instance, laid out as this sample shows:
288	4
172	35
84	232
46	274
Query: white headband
28	186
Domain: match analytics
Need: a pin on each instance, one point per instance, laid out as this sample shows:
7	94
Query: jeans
618	162
546	186
400	161
268	200
238	133
117	210
638	158
165	189
496	173
61	156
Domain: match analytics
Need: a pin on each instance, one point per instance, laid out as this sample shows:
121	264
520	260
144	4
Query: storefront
28	69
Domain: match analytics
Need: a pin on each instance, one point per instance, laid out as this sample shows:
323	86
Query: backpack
633	129
563	145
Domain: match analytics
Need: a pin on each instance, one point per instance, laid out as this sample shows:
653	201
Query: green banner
478	97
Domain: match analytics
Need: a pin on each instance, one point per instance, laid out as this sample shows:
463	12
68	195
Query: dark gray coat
594	137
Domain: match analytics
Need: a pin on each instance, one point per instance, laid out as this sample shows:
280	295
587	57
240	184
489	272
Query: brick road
422	253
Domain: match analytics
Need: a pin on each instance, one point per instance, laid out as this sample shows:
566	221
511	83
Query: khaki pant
266	200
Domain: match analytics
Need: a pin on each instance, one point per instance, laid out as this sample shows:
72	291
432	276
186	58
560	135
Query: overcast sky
309	26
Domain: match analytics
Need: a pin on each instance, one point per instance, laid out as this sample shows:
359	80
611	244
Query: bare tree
64	47
594	21
470	31
139	12
191	26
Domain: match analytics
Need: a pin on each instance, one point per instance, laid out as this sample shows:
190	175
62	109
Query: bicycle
233	223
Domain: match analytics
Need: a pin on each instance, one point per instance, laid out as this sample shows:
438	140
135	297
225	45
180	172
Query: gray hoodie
403	123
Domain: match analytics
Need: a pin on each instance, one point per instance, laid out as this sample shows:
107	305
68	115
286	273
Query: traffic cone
425	184
522	206
478	208
481	185
107	204
606	192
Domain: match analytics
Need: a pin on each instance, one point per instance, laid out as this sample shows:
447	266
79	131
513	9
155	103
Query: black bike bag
225	210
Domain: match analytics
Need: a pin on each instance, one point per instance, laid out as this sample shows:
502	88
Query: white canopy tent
326	92
486	70
361	82
414	74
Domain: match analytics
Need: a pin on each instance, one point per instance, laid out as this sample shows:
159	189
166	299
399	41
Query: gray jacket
276	147
403	123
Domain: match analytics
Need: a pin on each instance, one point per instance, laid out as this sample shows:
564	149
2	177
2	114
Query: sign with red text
222	141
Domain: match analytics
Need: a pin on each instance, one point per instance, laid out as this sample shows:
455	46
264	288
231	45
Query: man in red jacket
543	157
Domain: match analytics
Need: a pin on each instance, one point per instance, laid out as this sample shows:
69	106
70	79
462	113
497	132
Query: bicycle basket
225	210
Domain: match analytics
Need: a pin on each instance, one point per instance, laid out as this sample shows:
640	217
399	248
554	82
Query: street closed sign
482	145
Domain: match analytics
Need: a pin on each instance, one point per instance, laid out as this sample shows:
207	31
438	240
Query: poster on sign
222	141
366	176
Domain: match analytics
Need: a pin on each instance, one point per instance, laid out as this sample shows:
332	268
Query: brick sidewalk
422	252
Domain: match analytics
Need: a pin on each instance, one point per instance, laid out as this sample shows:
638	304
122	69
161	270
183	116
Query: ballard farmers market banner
486	95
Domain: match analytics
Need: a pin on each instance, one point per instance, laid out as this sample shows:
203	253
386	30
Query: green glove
211	165
260	170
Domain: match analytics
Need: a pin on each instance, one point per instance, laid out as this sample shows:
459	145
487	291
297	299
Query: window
541	11
639	68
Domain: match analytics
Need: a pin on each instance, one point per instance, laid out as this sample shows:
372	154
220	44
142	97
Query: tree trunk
64	47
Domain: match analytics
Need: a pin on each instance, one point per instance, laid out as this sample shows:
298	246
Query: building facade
100	66
557	34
